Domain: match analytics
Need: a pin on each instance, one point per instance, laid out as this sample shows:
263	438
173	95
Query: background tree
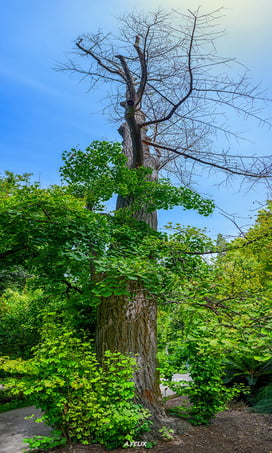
224	303
215	321
171	97
229	296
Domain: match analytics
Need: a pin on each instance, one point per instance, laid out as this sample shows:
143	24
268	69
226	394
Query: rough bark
129	325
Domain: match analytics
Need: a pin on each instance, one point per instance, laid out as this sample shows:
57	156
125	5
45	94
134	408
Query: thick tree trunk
129	325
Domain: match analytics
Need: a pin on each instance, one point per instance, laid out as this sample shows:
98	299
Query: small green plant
80	399
166	433
54	440
150	444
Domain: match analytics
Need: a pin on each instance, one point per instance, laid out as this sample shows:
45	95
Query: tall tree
171	96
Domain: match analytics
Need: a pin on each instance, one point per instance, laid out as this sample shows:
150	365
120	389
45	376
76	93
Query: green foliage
182	309
82	400
248	370
207	393
50	234
8	401
262	400
101	171
45	442
14	279
14	403
96	173
10	182
226	299
58	256
55	239
166	433
76	255
20	321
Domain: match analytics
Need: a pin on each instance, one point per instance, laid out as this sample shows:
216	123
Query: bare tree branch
190	89
266	172
173	91
98	59
142	59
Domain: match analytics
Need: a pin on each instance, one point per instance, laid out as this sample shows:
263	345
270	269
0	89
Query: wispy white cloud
24	79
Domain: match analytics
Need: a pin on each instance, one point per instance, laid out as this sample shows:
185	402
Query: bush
207	393
83	401
256	375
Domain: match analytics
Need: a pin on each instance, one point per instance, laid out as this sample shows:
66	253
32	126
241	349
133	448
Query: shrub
81	400
207	392
171	363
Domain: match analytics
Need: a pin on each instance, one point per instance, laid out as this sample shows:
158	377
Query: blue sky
44	112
